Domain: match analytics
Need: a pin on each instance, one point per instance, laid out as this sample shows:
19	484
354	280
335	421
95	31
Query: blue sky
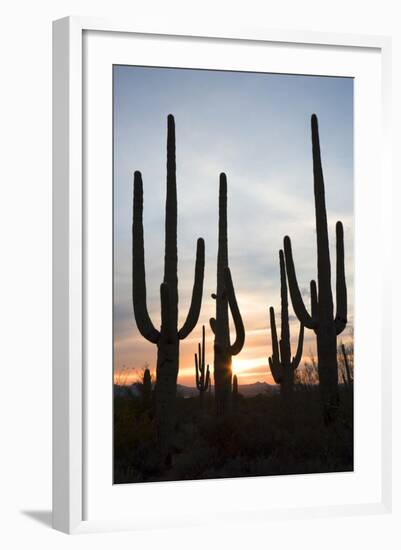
255	127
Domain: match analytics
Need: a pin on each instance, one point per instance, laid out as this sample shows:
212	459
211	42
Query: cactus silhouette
225	298
281	365
322	319
235	392
348	381
168	337
235	384
202	374
147	389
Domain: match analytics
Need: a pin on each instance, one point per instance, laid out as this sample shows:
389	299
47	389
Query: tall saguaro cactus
225	298
322	319
281	365
168	337
202	373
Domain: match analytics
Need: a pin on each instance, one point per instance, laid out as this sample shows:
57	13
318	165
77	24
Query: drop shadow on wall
41	516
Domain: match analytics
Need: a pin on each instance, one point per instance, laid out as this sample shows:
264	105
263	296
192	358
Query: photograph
233	274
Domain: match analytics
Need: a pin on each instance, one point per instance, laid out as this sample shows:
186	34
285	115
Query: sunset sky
256	128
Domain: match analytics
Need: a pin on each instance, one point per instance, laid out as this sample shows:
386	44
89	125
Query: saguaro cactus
281	365
147	389
168	337
348	381
225	297
235	384
235	392
322	319
202	374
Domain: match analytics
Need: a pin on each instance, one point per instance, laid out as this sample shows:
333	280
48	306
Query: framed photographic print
218	275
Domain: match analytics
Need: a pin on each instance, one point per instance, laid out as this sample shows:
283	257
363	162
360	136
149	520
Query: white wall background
25	266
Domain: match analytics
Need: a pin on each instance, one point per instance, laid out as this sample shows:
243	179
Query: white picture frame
70	256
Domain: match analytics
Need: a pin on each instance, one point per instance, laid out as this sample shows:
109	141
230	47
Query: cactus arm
285	331
314	300
341	287
212	323
275	369
143	321
238	344
197	291
274	360
273	330
298	356
296	297
281	346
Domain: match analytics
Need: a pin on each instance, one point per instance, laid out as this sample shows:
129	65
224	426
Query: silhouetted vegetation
282	365
147	389
346	364
169	336
322	319
225	298
202	372
258	438
159	435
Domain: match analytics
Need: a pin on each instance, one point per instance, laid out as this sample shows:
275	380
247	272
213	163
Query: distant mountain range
247	390
250	390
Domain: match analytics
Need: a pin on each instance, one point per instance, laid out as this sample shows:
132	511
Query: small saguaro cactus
235	384
322	319
281	365
202	374
235	392
168	337
225	298
147	389
347	378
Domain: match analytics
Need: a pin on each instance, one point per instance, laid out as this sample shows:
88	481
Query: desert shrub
263	437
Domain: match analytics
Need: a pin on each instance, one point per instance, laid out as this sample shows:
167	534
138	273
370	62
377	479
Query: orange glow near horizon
250	366
248	371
